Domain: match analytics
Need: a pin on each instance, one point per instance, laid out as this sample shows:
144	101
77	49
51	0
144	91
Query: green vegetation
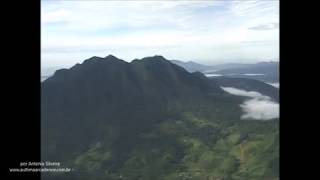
150	120
190	147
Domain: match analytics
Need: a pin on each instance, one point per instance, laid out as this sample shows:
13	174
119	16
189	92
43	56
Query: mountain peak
100	60
159	57
110	56
155	57
92	59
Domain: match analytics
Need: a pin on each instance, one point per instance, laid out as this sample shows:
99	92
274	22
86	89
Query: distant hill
220	67
258	68
263	71
192	66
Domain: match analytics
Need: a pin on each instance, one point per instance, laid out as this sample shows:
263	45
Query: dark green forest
151	120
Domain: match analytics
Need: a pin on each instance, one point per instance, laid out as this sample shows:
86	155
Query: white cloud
259	107
264	27
55	16
252	74
277	85
205	31
213	75
240	92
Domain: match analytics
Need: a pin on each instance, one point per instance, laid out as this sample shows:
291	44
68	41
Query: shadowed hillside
150	119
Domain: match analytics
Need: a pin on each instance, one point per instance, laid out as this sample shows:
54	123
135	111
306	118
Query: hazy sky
208	32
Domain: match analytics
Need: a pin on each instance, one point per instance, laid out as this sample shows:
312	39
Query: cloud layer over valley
259	107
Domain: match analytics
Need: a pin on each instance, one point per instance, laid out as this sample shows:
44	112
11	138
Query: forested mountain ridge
150	119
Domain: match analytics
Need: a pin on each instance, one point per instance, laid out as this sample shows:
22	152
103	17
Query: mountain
265	71
223	66
192	66
150	119
258	68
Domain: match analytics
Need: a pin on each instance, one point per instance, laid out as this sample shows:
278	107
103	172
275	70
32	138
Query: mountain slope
149	119
111	91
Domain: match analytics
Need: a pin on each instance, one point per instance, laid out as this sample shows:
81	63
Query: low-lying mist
258	107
